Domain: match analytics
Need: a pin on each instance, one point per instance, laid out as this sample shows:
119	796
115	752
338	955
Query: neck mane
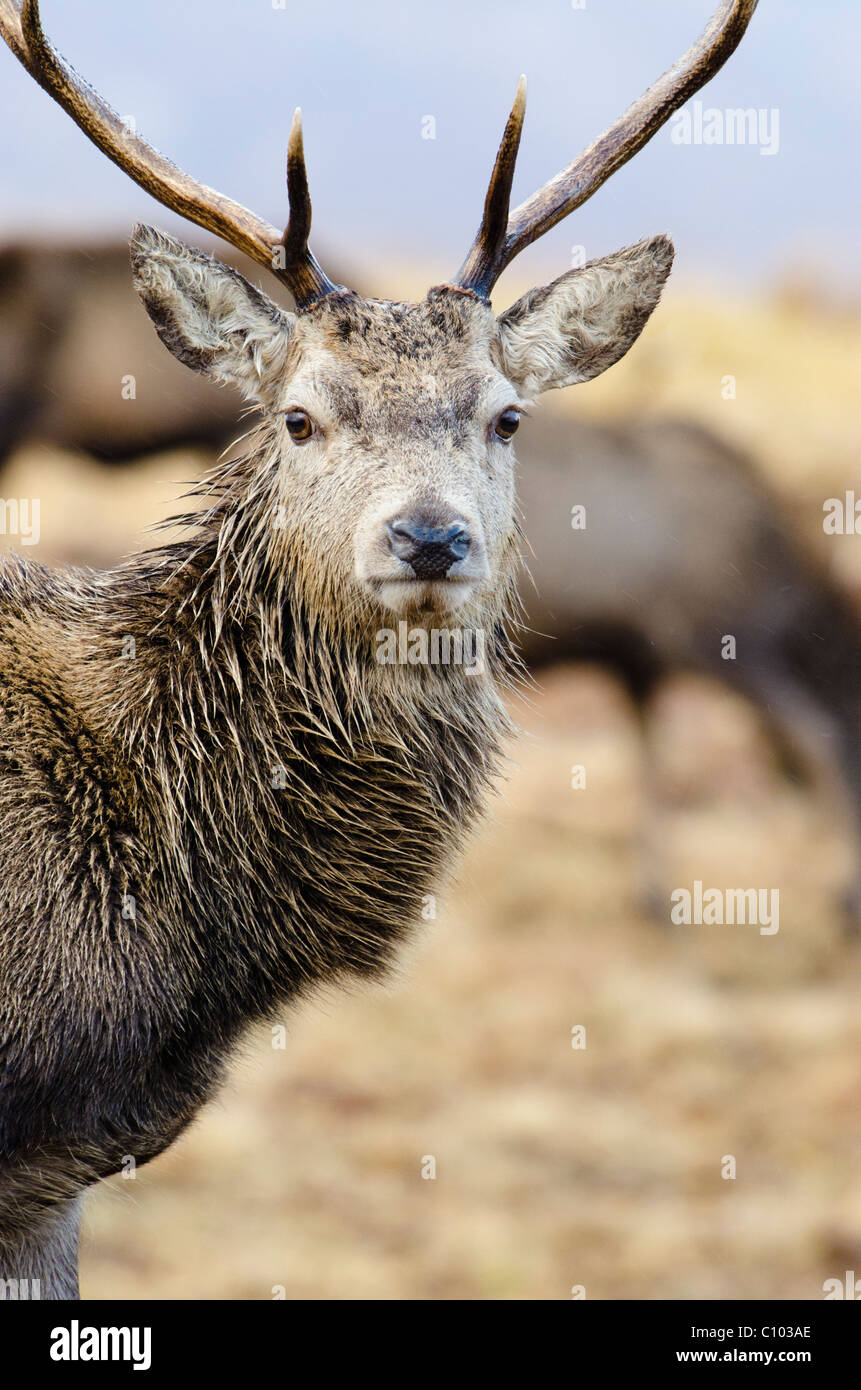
294	793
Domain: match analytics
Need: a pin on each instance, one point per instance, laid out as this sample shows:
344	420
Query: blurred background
704	462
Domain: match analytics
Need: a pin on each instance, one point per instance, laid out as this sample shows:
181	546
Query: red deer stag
213	792
684	541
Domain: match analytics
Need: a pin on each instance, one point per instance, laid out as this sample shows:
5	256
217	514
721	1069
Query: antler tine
10	29
309	282
585	175
22	30
478	271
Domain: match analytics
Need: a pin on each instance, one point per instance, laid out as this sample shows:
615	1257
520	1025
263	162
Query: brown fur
275	802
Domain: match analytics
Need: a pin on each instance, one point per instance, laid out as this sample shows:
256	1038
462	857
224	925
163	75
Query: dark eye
507	424
299	425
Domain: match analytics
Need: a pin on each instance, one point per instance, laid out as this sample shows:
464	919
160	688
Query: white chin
423	596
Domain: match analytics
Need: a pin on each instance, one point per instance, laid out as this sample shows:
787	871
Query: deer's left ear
578	326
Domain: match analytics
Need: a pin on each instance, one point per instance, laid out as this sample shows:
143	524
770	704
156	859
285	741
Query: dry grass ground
556	1167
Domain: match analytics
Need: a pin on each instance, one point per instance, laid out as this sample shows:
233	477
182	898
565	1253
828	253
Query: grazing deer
684	544
213	795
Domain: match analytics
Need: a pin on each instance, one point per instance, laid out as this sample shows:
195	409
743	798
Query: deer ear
583	322
207	314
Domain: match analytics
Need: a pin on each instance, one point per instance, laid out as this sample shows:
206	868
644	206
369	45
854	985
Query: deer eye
507	424
299	425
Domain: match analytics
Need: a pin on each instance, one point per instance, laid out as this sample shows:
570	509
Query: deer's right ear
207	314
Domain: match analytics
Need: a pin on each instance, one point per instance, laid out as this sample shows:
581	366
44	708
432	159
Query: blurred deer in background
683	545
59	306
213	794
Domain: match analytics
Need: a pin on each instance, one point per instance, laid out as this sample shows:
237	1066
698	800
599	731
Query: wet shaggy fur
275	808
212	796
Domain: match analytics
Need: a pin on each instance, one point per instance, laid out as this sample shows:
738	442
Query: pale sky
213	83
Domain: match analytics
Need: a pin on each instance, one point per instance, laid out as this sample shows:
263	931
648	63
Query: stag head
387	427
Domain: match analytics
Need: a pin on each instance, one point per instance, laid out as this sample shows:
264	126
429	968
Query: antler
307	281
500	237
287	256
498	241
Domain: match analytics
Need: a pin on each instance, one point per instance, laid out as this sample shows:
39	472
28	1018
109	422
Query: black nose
431	550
